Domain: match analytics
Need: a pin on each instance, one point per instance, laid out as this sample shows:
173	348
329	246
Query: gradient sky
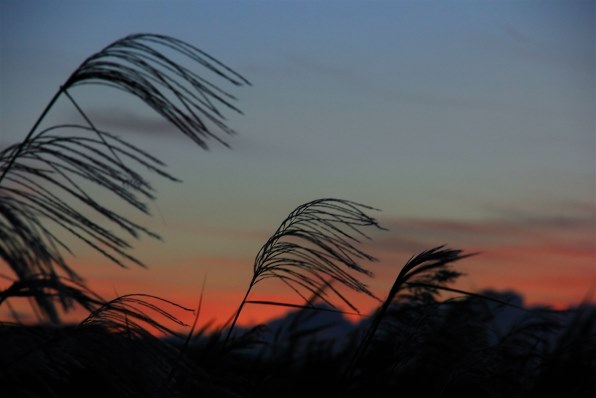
468	123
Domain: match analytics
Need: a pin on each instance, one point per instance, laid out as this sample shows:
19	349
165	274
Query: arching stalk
315	246
42	177
27	139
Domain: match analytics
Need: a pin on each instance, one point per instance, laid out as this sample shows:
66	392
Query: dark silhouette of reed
44	179
416	342
313	248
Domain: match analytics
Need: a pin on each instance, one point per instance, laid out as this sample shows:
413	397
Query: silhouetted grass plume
479	344
315	247
44	179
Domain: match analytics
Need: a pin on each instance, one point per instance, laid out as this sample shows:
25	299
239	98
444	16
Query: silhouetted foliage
45	179
446	348
315	247
416	342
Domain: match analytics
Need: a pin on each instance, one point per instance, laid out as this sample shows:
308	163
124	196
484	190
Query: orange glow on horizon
549	267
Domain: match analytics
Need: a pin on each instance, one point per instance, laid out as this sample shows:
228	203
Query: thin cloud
551	259
311	68
122	120
523	44
387	92
573	233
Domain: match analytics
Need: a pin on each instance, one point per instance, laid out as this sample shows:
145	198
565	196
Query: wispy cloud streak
550	259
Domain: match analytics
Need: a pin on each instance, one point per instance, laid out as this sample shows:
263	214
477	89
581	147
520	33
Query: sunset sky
467	123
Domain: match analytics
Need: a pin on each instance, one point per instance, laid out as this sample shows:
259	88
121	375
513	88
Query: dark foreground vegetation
417	342
451	349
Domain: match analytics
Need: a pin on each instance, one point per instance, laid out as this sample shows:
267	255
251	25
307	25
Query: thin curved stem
24	143
231	328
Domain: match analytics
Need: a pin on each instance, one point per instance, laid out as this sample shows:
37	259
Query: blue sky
449	116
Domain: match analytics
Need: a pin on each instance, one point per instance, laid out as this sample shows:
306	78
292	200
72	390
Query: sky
467	123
